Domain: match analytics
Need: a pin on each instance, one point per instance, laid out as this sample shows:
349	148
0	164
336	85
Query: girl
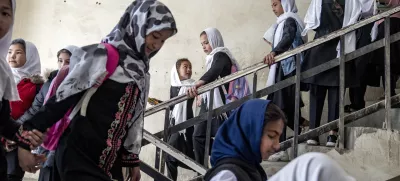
287	36
49	171
379	33
106	126
362	69
9	92
219	62
23	58
63	57
323	17
181	81
255	128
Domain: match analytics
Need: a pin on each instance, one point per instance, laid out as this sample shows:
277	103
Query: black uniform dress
379	55
8	129
181	141
328	81
361	70
92	148
220	67
285	98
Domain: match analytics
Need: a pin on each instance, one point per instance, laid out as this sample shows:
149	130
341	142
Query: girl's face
185	70
270	138
16	56
205	44
277	7
155	40
6	17
63	60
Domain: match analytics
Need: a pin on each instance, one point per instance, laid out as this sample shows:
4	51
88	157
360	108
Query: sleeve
224	175
171	95
129	159
289	33
220	61
36	105
8	127
48	115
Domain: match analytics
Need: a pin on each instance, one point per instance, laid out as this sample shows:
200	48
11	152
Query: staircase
363	147
365	151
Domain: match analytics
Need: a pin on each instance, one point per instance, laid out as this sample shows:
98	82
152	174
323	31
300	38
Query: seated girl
250	135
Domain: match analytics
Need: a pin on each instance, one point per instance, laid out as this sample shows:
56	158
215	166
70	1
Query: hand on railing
192	92
154	101
270	58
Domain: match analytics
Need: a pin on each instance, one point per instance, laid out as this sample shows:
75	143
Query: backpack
55	132
238	88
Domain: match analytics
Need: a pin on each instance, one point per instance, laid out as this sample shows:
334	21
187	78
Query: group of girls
324	17
93	133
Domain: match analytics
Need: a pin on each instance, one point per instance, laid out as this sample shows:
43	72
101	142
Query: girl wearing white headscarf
47	172
324	17
287	35
107	107
9	92
181	81
219	61
24	61
362	70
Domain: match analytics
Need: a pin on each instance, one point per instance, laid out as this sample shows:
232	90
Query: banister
283	56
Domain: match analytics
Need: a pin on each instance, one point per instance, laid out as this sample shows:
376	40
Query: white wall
53	24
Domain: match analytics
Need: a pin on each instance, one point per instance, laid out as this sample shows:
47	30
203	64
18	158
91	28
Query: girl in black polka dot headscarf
107	114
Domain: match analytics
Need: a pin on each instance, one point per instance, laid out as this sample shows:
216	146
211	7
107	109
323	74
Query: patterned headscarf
141	18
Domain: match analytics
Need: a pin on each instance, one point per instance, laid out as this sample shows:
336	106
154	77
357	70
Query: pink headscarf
55	132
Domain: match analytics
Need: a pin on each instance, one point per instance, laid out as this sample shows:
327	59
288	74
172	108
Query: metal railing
339	123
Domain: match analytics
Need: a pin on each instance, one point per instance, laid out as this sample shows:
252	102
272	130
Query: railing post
342	62
388	106
166	137
254	85
208	130
296	108
158	157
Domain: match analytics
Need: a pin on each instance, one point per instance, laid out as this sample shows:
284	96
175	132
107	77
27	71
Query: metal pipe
147	169
280	85
283	56
166	136
341	90
174	152
254	84
208	130
296	107
334	124
388	109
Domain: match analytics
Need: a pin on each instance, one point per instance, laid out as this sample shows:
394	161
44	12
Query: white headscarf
32	65
352	12
8	88
75	51
217	44
180	110
290	11
269	34
313	16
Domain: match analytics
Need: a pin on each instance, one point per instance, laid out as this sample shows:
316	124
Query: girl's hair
21	42
203	33
180	61
63	51
274	113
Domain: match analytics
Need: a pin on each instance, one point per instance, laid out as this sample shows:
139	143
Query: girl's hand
270	58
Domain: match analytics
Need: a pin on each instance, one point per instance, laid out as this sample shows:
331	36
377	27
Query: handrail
281	57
